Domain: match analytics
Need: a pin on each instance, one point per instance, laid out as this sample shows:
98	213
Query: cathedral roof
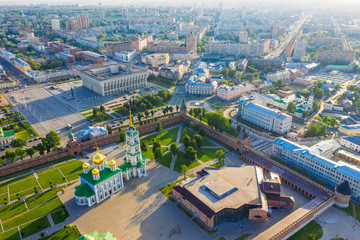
104	174
98	159
83	190
344	188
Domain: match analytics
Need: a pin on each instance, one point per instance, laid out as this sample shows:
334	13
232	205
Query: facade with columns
105	179
114	79
6	137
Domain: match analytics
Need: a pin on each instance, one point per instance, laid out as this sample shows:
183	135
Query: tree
146	113
186	140
190	154
95	110
20	152
156	144
152	113
18	142
279	83
217	120
171	109
177	108
174	148
10	155
53	139
165	110
198	140
41	148
143	146
102	108
184	170
157	153
337	87
109	128
319	93
46	144
30	152
158	127
238	128
220	155
291	107
357	104
225	72
273	91
122	137
139	115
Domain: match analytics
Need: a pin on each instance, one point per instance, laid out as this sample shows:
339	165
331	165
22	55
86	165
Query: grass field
166	160
163	82
11	211
311	231
166	137
206	154
34	227
181	160
23	134
39	199
59	216
22	184
150	155
12	234
50	178
65	233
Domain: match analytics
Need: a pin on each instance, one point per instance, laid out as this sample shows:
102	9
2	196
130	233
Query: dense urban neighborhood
187	120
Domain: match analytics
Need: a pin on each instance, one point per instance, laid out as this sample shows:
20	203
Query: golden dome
112	163
86	165
98	159
95	171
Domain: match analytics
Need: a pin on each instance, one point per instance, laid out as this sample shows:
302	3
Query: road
287	40
16	73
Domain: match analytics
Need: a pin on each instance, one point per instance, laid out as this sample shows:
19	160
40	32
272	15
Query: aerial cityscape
150	120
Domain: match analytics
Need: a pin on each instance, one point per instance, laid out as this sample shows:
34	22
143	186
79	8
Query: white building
350	130
269	119
125	56
156	59
333	173
183	56
228	93
9	57
199	86
114	79
55	24
299	49
351	142
273	77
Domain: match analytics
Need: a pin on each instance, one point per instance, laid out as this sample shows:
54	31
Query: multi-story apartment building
273	77
228	93
55	24
333	173
77	22
199	86
350	130
351	142
113	79
185	29
299	49
156	59
255	48
336	42
174	46
21	65
337	56
269	119
136	42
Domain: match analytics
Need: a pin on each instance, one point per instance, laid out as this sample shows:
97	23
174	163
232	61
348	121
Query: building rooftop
223	188
351	127
21	62
353	139
102	73
93	54
340	166
266	111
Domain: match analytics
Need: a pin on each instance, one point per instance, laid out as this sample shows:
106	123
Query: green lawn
60	216
12	210
23	134
65	233
22	183
244	236
150	155
73	176
166	160
350	209
53	176
181	160
71	167
23	193
42	198
166	137
164	82
34	227
3	197
12	234
33	214
206	154
167	190
311	231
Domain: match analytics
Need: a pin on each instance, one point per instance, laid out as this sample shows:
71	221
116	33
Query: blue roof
197	83
351	127
353	139
344	168
265	111
21	62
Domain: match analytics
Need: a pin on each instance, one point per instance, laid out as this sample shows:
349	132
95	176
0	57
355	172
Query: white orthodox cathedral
105	179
